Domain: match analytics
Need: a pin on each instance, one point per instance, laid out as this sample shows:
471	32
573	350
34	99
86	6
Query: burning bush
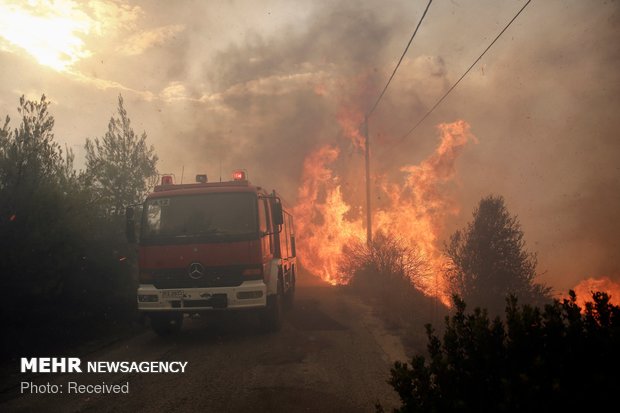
387	272
559	358
387	257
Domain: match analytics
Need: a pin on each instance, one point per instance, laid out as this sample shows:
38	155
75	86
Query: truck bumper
249	295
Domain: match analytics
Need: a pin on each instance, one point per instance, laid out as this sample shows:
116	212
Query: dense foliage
560	358
489	260
64	258
120	167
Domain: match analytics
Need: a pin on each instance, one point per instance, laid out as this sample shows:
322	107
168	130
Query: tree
36	185
60	259
560	358
29	156
120	166
489	261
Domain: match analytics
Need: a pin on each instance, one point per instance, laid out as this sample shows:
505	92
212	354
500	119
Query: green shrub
560	358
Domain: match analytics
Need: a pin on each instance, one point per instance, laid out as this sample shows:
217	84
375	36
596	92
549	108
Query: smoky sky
260	87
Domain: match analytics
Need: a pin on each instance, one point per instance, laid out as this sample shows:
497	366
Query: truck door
266	234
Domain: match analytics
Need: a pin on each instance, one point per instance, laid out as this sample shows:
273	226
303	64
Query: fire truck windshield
200	218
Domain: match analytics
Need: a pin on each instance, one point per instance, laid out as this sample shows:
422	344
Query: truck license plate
172	294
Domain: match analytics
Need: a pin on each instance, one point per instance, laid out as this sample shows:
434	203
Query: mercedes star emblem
196	270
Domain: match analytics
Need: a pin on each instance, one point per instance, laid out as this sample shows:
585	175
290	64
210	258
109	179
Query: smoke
262	86
542	105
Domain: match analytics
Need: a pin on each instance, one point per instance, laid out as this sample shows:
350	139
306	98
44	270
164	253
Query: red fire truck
207	247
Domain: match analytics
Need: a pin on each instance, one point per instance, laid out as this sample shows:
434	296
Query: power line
464	74
399	61
367	138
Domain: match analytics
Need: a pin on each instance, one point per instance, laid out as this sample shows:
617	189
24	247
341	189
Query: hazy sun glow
47	30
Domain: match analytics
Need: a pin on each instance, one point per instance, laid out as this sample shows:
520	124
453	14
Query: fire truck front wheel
166	324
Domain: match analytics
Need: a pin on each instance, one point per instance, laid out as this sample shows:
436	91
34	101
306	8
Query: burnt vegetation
66	267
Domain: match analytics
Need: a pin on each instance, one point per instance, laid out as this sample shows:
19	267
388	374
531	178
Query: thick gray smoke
543	105
261	86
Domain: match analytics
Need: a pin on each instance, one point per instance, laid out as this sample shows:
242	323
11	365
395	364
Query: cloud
145	39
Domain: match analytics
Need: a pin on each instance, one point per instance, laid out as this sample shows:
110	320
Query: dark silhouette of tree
35	178
60	260
120	166
489	261
560	358
29	156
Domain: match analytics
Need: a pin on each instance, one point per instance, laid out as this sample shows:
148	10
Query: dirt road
331	355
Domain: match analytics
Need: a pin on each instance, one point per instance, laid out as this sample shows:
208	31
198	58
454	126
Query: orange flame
415	212
350	122
586	287
320	216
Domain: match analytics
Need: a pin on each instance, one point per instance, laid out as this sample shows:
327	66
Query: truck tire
166	324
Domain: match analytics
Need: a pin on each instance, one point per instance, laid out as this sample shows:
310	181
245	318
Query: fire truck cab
208	247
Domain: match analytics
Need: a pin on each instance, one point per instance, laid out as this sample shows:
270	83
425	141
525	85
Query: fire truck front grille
212	277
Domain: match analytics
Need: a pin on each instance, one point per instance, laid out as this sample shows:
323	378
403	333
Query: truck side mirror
278	216
130	225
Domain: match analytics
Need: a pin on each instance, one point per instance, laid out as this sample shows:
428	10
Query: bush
385	273
387	259
559	358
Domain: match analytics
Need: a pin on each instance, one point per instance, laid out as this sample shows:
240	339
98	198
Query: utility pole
367	156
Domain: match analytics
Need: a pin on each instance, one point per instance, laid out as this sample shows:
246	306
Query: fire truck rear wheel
166	324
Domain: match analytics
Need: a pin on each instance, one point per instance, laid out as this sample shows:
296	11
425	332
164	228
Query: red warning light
166	180
239	175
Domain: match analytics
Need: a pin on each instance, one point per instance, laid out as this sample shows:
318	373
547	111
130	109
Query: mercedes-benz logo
196	270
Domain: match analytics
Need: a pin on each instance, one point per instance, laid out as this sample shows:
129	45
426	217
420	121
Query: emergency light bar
239	175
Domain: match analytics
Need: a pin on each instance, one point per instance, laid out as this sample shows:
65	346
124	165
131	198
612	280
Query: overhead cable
400	60
464	74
